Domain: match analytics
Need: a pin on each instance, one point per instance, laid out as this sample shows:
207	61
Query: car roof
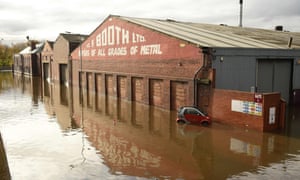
188	107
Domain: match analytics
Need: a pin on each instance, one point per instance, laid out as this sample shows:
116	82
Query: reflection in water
64	95
6	79
108	138
144	141
293	122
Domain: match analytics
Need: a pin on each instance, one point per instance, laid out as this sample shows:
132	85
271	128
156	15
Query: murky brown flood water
47	134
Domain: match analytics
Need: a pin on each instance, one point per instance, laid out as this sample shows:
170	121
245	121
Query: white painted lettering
104	37
98	40
115	37
93	52
145	50
85	52
110	35
118	31
101	52
133	38
133	50
117	51
88	45
150	49
142	39
125	36
92	43
136	38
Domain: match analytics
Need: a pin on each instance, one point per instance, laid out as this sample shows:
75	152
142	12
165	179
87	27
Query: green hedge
5	62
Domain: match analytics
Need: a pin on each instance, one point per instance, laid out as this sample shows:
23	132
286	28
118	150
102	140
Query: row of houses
242	76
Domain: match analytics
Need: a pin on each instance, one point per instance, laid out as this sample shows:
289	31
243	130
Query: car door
192	115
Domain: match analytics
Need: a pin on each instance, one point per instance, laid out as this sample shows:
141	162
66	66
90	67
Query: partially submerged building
28	61
238	75
65	43
242	76
47	59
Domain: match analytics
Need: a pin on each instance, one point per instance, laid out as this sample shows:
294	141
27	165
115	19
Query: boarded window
156	92
122	87
178	94
138	89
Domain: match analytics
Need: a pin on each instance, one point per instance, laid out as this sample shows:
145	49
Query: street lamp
241	13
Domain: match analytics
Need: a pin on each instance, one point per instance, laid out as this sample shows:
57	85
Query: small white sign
272	115
236	105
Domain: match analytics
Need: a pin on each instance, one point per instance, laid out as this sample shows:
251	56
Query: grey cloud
54	16
273	8
16	27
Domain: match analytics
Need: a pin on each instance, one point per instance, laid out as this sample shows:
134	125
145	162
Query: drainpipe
203	51
70	81
195	89
50	69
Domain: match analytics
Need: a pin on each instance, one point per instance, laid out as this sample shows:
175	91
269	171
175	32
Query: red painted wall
121	48
116	39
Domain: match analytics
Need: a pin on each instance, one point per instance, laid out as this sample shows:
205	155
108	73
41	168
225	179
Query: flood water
49	132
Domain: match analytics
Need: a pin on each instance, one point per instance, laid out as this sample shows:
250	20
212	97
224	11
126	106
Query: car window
192	111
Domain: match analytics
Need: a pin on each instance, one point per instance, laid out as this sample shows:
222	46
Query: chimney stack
279	28
32	45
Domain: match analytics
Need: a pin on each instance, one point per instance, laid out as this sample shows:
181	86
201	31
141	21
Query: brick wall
60	56
169	59
47	57
220	109
106	81
169	68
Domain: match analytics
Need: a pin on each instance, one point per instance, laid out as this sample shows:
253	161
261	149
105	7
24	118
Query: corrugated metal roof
208	35
74	37
28	50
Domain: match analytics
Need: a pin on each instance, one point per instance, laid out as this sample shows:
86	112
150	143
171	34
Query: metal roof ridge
237	38
148	25
234	40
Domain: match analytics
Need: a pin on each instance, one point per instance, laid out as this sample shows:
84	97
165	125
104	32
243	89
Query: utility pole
241	13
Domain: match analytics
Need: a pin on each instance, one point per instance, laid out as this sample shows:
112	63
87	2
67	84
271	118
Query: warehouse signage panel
246	107
119	39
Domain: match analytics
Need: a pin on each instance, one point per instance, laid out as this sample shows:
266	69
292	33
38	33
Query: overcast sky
45	19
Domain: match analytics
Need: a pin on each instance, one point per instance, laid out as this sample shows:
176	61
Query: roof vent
170	20
279	28
223	25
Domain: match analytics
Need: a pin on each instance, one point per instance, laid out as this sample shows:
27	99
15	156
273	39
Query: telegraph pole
241	13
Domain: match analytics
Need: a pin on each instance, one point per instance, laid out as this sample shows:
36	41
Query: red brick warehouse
139	64
166	63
